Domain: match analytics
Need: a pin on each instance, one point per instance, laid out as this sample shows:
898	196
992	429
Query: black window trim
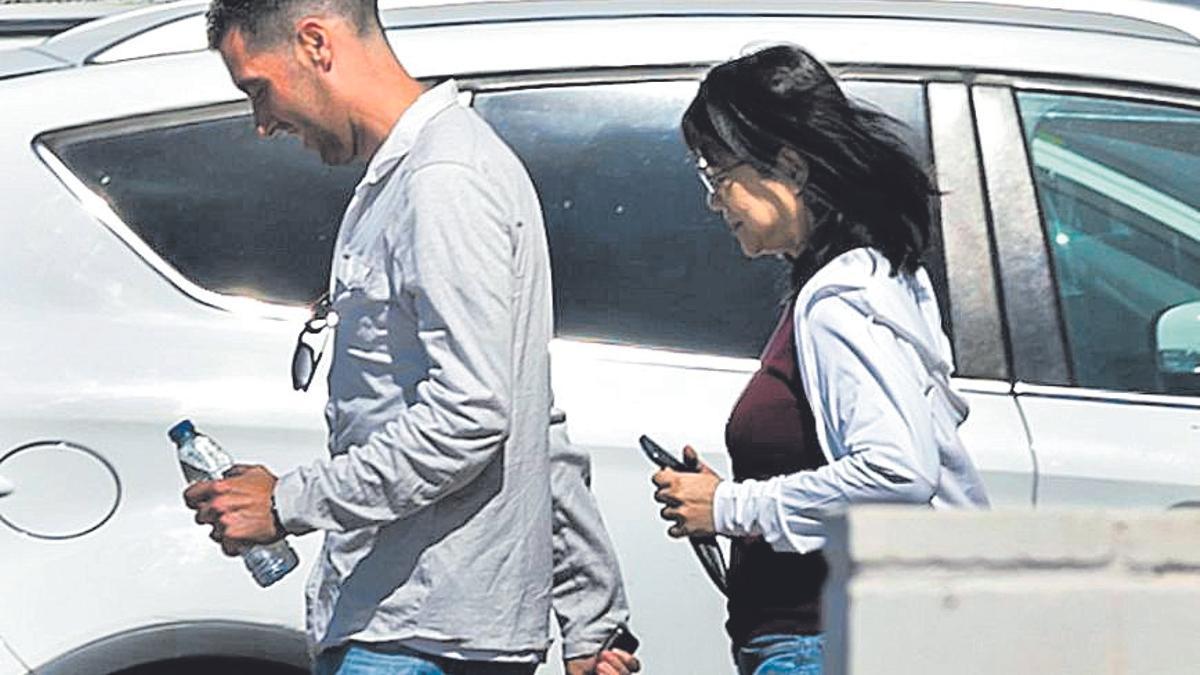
139	123
968	248
1131	92
1032	313
692	71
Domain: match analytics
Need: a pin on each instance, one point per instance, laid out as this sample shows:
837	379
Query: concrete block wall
1013	592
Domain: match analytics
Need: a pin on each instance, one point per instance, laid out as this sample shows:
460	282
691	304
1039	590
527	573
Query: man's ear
793	166
313	43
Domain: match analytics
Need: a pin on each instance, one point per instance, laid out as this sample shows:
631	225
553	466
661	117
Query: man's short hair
266	23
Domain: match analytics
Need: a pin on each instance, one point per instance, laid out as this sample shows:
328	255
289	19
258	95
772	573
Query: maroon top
771	432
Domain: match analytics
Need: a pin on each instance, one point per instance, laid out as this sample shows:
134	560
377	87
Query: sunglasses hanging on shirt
310	343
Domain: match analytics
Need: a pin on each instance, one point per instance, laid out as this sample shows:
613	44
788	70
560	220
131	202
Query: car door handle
6	487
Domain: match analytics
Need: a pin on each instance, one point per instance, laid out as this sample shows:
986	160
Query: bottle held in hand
202	459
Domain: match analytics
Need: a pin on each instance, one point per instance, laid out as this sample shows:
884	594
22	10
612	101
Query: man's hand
611	662
688	498
238	507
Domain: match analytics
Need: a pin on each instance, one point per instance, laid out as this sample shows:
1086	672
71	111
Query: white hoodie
876	369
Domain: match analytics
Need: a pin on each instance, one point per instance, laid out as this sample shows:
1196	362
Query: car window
233	213
1121	210
637	256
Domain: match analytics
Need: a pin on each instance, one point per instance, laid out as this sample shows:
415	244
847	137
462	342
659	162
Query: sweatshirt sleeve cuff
732	514
588	640
786	528
289	501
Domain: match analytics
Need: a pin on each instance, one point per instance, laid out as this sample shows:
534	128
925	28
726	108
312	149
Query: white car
25	24
158	257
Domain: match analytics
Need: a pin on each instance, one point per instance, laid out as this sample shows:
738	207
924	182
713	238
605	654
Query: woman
852	403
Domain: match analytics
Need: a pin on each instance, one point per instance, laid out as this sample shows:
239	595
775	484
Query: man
436	501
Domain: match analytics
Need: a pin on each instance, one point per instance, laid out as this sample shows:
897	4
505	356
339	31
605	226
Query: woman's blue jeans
362	660
781	655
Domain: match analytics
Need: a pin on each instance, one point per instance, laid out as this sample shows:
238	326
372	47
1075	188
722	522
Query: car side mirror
1177	348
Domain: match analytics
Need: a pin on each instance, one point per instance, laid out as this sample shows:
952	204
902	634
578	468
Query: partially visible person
853	402
436	500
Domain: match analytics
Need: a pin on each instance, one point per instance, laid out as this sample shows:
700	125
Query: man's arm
589	594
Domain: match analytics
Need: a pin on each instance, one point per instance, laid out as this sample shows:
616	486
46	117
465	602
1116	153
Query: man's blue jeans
781	655
358	659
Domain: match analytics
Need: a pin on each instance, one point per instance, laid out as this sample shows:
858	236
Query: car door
1100	241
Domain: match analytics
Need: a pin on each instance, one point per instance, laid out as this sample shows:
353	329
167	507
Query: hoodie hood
904	303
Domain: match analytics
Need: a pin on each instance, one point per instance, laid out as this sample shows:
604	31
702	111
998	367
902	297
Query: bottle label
202	459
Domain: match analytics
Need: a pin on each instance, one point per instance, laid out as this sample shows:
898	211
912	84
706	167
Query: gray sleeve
589	594
454	255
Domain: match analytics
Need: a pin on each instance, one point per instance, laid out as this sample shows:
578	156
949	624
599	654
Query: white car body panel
1097	448
9	664
151	556
584	43
15	42
998	442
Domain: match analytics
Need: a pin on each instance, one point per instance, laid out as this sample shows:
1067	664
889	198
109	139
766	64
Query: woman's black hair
864	188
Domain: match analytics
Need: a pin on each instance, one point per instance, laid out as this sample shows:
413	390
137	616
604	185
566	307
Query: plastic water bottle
203	459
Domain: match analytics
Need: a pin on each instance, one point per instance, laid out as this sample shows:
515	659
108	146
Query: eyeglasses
306	357
713	180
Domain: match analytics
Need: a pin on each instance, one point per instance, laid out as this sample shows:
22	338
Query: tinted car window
234	213
638	258
1116	183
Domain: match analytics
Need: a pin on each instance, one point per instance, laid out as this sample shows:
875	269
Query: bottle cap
181	432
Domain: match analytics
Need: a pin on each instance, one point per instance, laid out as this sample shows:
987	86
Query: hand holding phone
665	460
706	548
621	638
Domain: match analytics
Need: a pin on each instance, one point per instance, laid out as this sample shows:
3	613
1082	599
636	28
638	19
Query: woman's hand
688	498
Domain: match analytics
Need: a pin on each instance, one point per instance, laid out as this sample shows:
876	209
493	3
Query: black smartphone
621	638
663	458
706	548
